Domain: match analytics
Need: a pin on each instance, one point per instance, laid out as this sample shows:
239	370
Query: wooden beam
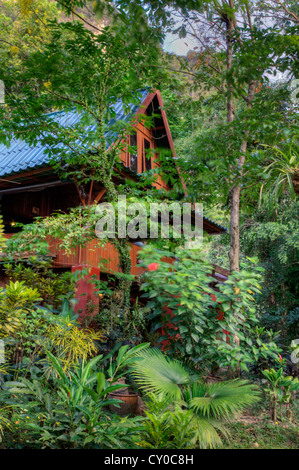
100	195
18	176
220	270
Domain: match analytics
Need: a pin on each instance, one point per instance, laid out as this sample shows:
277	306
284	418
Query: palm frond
156	373
221	400
206	435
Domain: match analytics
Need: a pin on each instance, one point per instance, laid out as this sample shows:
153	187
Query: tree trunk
235	194
234	253
236	189
229	62
289	412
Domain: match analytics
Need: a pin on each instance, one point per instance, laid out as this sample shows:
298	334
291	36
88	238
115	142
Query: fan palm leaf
156	373
210	404
221	400
206	432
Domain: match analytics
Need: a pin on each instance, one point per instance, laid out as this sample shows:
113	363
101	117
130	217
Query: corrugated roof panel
20	156
215	223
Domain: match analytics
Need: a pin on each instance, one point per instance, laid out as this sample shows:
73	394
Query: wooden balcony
106	258
91	255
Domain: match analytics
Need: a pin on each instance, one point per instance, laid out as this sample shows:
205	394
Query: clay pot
129	403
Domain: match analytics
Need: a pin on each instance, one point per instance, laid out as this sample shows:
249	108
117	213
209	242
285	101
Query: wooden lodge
29	187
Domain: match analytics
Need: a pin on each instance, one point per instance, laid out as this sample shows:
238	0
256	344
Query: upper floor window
146	155
139	156
133	156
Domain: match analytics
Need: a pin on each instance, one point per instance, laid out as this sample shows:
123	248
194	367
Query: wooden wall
144	133
25	206
93	255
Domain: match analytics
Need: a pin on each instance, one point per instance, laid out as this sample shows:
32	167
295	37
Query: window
147	158
139	155
133	156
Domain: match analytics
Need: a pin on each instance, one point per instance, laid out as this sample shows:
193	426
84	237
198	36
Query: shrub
199	323
37	271
16	300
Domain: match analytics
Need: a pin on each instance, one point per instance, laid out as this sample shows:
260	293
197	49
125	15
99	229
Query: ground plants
69	410
27	329
207	405
71	343
281	390
160	428
16	301
256	430
37	271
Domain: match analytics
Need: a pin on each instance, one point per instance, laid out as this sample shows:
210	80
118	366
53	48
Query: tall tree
90	71
238	51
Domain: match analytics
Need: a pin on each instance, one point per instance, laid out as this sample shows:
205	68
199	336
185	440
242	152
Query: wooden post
88	300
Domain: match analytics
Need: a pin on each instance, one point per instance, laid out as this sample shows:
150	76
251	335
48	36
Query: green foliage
210	404
116	326
284	172
25	345
264	347
4	422
211	151
53	288
23	28
281	390
70	343
157	374
160	428
273	237
16	300
124	359
222	399
29	328
235	51
68	408
207	156
205	325
71	412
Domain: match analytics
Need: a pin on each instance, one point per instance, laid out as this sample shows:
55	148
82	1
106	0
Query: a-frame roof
20	156
21	162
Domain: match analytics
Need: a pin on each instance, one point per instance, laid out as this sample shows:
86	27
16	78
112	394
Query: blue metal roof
216	223
20	156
